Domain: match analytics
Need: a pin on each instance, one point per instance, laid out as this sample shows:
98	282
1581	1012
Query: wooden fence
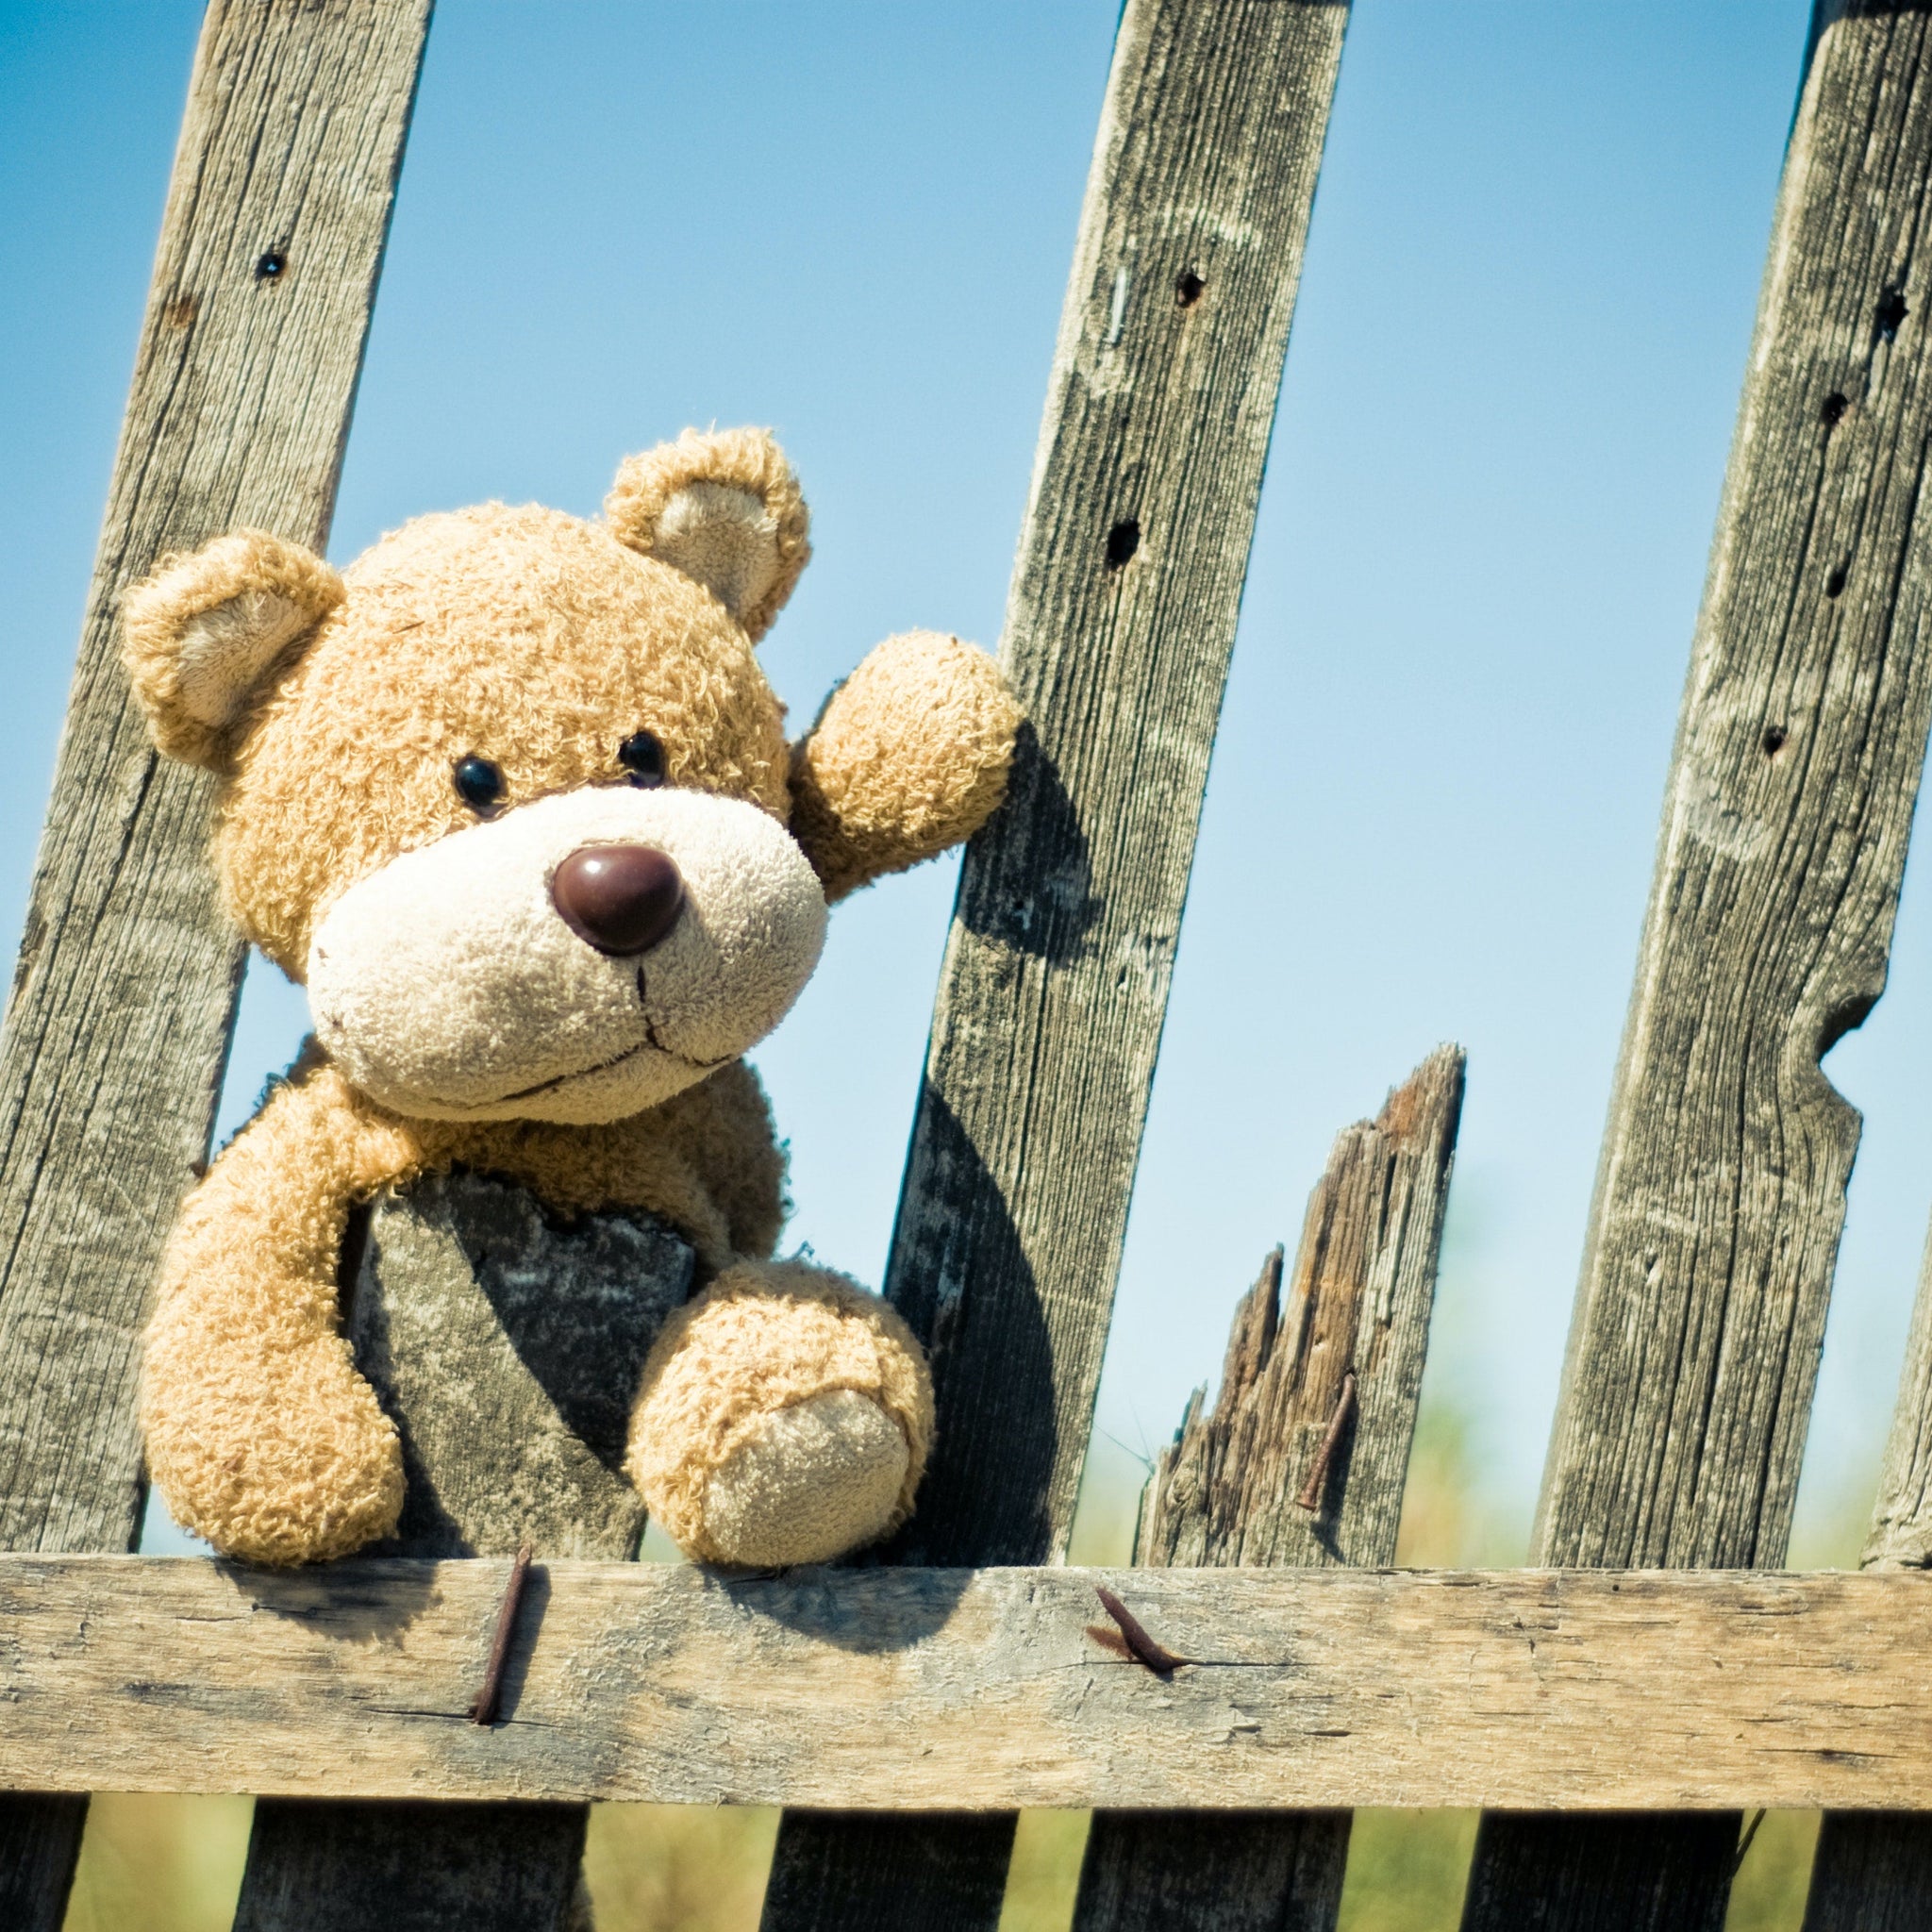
1262	1670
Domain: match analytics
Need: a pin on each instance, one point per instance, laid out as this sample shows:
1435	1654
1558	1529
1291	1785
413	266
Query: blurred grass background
165	1864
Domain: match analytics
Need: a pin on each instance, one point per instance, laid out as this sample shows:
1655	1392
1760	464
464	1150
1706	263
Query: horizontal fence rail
939	1689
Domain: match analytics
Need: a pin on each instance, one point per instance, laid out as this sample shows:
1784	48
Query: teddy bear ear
202	633
723	508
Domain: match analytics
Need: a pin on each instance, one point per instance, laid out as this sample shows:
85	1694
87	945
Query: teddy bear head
510	795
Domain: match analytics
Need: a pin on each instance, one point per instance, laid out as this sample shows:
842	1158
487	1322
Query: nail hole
268	266
1891	312
1836	581
1836	404
1774	737
1187	288
1122	541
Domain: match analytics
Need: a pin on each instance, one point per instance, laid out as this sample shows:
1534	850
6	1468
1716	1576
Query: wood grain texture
1223	1494
117	1028
117	1025
506	1346
1719	1199
936	1688
1118	625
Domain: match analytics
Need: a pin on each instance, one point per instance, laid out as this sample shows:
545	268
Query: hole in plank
1122	541
269	264
1187	288
1890	313
1834	407
1835	583
1776	737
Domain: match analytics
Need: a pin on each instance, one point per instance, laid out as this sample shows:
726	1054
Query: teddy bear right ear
202	632
723	508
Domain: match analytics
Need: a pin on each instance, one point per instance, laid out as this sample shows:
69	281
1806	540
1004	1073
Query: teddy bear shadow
988	1352
1054	918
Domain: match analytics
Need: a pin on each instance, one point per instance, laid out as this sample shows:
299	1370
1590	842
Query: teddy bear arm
909	756
260	1434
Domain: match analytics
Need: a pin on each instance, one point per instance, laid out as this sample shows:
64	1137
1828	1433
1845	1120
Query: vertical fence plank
1700	1313
1122	614
1229	1492
118	1022
1874	1869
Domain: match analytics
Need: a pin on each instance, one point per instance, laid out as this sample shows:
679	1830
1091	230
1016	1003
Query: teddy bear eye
642	757
479	784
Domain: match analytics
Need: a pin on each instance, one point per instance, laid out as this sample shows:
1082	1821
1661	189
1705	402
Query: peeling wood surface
909	1688
1719	1199
1225	1495
1118	625
1359	1299
117	1026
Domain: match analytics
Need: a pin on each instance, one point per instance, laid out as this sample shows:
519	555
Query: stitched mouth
651	1043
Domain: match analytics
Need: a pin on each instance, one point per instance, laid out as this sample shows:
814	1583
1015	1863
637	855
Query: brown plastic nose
621	898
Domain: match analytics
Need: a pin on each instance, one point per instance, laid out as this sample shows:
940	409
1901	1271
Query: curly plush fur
785	1415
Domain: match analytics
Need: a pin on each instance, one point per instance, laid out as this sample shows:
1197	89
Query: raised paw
784	1417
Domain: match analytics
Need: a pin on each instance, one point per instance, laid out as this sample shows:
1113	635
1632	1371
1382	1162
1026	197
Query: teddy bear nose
620	898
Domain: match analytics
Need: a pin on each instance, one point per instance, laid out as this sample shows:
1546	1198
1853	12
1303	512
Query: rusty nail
483	1712
1310	1497
1157	1656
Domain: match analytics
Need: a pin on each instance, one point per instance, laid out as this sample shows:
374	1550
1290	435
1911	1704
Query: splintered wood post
1700	1312
506	1346
1120	617
1229	1491
1873	1870
118	1022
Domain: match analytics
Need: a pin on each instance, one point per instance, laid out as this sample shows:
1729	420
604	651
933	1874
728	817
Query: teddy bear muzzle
579	959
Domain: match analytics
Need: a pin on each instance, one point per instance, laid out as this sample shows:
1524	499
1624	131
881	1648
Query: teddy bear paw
813	1481
783	1417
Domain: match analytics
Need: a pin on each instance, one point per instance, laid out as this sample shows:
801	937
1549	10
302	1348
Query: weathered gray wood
1874	1872
506	1347
1721	1196
1119	621
1226	1493
942	1689
1901	1534
117	1026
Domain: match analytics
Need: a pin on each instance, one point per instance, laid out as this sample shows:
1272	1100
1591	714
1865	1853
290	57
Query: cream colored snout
581	958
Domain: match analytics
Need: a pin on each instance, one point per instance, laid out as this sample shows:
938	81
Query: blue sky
1510	389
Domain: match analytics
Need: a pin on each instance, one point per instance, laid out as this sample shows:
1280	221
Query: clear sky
1509	392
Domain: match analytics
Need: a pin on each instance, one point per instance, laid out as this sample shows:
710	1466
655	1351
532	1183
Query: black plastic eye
642	757
479	784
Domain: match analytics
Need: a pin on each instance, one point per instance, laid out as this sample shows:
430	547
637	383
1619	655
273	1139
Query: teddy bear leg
783	1417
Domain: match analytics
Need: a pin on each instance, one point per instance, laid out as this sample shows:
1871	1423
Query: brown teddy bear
512	797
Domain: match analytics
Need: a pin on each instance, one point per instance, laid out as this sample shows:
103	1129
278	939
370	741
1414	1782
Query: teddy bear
511	797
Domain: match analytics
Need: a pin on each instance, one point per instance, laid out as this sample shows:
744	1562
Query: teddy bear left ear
723	508
204	631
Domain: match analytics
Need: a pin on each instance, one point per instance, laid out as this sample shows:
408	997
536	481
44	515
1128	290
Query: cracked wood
1229	1493
932	1687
